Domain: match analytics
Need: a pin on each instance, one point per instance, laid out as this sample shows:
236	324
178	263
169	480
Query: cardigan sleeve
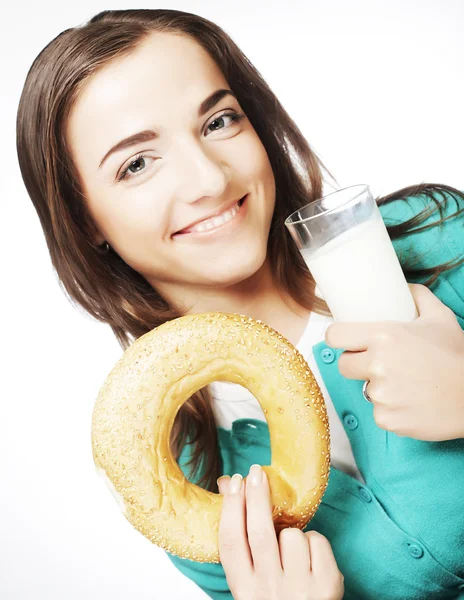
438	244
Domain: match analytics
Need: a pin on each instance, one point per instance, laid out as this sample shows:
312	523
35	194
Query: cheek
250	156
263	166
132	225
258	172
268	182
138	229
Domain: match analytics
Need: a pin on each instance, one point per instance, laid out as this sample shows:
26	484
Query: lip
220	228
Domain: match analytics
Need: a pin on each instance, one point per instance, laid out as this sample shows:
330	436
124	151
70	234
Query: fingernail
223	483
256	475
235	484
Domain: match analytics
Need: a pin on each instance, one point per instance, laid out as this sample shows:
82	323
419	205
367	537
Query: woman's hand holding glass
415	370
257	564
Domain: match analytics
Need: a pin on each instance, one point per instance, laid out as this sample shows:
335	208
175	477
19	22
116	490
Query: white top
232	401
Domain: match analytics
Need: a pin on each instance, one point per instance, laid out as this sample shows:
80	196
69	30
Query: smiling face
193	161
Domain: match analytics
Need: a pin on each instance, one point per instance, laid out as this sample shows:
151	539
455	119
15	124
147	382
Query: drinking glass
345	243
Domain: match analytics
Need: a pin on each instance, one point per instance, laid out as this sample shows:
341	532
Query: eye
233	116
136	165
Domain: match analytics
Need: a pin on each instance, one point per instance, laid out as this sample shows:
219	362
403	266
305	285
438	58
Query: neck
257	297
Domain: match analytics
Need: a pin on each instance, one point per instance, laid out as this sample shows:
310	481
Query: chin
237	268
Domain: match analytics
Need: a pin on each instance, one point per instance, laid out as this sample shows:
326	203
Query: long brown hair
102	283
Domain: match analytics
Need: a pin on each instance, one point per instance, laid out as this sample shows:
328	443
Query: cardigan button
328	356
365	495
350	421
240	425
416	551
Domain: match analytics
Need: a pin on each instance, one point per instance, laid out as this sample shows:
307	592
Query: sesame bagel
138	402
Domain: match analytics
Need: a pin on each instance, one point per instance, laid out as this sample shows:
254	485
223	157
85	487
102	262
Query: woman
162	168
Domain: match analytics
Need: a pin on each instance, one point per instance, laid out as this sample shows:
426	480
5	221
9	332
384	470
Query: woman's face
146	195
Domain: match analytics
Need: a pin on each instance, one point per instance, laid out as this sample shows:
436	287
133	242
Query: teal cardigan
400	536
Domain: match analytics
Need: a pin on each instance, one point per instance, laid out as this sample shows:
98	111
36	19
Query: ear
96	235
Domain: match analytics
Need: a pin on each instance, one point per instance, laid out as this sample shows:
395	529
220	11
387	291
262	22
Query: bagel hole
206	421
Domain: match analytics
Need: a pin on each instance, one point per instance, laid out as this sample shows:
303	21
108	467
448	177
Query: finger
349	336
355	365
294	552
223	484
262	537
426	302
322	558
358	337
234	552
388	419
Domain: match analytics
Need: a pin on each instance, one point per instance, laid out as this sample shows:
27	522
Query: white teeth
216	221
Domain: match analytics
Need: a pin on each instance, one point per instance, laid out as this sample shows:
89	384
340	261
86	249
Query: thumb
426	302
223	484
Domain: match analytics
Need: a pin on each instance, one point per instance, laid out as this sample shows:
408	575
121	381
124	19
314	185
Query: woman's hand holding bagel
258	564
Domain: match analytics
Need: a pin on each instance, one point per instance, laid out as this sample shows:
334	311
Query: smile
214	223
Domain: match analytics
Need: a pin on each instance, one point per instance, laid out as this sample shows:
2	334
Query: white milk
360	277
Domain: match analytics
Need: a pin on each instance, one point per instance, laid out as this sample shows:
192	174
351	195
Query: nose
201	173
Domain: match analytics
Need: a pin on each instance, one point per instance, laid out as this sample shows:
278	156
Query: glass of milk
344	242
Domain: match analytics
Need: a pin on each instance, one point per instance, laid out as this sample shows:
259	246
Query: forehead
163	64
163	79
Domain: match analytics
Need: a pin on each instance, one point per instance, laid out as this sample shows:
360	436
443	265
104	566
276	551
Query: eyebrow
148	134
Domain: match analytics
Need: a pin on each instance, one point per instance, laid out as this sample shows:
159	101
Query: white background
376	87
